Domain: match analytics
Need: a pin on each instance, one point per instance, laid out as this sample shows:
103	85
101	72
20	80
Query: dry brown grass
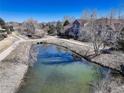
4	44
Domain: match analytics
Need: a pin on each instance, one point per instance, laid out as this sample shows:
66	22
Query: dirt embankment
13	68
4	44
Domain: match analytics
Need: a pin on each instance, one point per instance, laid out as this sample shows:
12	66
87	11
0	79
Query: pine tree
66	23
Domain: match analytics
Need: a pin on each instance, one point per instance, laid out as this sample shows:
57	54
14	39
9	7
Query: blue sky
49	10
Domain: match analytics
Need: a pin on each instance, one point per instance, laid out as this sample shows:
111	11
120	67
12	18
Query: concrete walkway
6	52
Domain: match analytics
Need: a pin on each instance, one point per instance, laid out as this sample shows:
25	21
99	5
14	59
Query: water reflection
58	70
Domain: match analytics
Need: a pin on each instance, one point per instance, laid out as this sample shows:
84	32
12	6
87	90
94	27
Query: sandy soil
11	75
5	43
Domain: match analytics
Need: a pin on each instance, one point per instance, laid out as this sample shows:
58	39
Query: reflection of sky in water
54	55
58	71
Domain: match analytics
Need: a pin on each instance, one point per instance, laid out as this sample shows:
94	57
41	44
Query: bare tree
96	41
86	15
94	14
98	33
85	34
121	7
95	36
29	26
69	18
112	15
40	33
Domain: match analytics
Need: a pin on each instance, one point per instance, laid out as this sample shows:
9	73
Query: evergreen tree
59	28
51	30
66	23
2	22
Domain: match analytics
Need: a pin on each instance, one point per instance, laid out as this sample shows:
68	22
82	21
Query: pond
59	70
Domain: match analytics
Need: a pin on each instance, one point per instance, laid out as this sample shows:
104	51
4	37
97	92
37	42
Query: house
73	29
111	24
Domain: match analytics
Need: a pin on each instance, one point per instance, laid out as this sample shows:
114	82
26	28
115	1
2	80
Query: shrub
52	30
2	22
4	35
121	40
11	28
1	37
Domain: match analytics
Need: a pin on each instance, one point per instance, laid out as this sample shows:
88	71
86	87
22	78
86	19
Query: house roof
108	21
80	21
67	27
114	24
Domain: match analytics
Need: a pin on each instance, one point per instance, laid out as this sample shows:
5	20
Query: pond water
58	70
